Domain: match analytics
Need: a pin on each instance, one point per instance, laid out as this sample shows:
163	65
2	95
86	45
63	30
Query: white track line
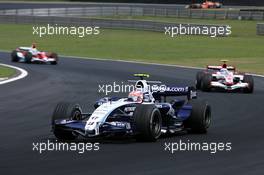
23	74
140	62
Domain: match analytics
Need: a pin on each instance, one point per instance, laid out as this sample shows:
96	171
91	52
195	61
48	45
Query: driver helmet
136	96
34	46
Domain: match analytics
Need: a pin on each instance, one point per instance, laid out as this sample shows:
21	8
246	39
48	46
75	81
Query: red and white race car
224	77
32	55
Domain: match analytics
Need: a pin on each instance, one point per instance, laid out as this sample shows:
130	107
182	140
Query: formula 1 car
204	5
32	55
144	114
224	77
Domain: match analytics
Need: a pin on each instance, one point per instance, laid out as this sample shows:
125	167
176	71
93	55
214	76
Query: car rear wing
230	68
188	91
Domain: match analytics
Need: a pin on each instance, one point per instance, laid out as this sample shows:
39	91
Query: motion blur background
225	2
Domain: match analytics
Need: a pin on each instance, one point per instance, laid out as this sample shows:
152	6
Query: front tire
14	57
148	123
199	77
206	82
67	111
200	118
249	79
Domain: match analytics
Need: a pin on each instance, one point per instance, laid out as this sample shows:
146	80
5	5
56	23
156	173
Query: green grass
244	28
243	48
6	72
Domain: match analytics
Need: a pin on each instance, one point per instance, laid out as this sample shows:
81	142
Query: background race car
32	55
205	5
144	114
224	77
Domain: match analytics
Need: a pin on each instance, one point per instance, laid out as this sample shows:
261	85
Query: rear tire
199	77
249	79
206	82
54	63
14	57
148	123
28	57
200	118
67	111
55	56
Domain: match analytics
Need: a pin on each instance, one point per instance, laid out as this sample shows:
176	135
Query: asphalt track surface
27	104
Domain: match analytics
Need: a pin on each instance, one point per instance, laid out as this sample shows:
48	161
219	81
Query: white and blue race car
144	114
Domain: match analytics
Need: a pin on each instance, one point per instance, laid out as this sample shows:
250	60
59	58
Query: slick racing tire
28	57
249	79
199	77
147	122
206	82
55	56
14	57
200	118
67	111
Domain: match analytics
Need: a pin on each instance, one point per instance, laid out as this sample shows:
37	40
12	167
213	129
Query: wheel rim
207	118
155	126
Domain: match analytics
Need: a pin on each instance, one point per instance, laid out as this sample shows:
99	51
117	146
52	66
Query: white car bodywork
101	113
225	79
